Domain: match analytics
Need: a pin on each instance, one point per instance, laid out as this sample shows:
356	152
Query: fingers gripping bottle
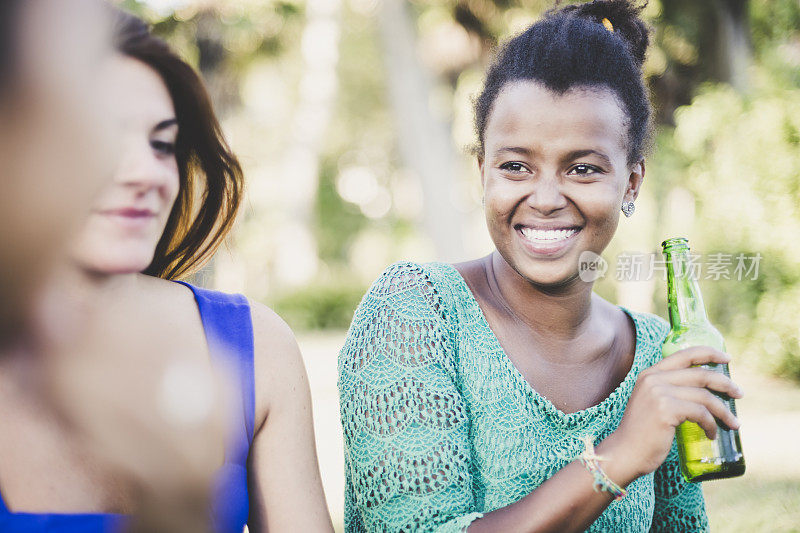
701	458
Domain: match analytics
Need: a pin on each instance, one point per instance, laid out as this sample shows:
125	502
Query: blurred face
56	145
555	175
128	217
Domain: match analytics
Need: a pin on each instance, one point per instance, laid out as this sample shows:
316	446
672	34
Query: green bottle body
701	458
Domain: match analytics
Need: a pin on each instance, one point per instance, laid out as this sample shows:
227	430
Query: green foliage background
740	156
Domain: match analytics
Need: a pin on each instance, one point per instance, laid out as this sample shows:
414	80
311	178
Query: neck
87	283
561	312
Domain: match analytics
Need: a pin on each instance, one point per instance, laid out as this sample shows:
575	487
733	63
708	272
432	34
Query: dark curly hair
211	181
570	47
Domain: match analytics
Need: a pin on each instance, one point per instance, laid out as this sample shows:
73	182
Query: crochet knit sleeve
407	453
679	505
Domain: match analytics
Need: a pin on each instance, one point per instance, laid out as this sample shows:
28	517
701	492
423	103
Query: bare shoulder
474	274
168	293
280	374
173	306
275	344
268	325
474	269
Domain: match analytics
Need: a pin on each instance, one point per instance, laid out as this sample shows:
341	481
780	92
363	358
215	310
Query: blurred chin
117	266
110	263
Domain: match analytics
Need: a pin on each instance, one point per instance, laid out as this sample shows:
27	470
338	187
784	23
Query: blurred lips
130	217
129	212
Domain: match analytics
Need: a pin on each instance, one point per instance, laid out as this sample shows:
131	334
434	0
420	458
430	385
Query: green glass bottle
701	458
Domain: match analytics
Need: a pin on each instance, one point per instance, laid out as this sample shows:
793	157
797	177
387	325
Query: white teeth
550	235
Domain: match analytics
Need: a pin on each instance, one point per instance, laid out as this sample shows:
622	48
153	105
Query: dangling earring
628	208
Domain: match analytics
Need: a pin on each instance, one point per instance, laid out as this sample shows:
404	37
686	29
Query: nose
140	168
546	196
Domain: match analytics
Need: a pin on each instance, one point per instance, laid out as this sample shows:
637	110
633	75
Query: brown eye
583	170
163	148
514	166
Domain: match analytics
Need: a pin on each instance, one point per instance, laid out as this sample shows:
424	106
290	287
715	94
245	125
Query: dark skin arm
665	395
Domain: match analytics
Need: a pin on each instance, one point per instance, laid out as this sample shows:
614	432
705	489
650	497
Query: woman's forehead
140	92
527	112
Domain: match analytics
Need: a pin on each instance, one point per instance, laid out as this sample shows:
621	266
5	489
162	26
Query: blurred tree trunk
297	255
720	32
732	56
425	140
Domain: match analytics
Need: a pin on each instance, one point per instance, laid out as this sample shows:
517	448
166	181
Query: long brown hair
211	181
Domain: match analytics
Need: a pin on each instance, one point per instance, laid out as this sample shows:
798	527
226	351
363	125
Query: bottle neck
684	298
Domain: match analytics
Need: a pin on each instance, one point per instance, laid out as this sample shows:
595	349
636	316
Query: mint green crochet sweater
439	426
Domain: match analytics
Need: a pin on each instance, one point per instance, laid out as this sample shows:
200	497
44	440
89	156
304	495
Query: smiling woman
129	217
566	165
473	395
189	141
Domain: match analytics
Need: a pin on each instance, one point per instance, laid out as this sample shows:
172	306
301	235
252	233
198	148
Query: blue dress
229	333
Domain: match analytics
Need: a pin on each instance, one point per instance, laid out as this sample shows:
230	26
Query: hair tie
608	25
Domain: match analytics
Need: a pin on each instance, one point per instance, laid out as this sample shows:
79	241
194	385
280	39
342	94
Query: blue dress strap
229	333
228	326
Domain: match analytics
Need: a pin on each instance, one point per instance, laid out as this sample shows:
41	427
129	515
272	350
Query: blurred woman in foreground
54	146
473	394
172	201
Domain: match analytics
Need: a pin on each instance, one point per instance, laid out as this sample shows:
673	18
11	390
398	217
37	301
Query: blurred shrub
740	157
319	306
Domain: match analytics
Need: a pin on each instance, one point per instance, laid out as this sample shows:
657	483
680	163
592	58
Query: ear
635	180
480	169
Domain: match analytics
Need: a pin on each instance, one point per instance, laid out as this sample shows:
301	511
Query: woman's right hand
667	394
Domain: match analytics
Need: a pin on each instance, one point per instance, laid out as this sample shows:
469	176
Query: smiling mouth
547	236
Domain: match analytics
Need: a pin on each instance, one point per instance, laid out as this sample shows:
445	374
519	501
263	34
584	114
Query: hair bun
624	15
